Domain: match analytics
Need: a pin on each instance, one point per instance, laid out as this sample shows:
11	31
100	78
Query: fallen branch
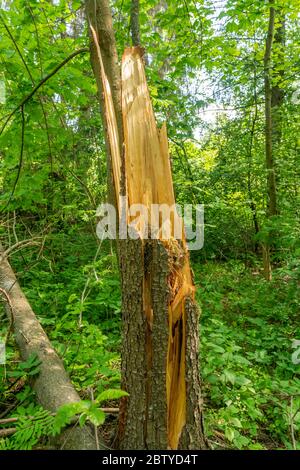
11	316
7	432
52	386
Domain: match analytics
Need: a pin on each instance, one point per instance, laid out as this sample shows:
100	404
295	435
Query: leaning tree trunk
160	369
271	179
52	385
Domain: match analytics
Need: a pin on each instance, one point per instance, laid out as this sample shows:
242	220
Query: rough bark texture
52	386
135	22
134	359
99	16
252	202
193	432
145	413
143	420
156	431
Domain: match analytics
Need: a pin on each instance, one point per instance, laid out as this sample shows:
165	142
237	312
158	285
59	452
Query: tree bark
135	22
272	199
99	16
52	386
271	179
274	96
252	203
277	98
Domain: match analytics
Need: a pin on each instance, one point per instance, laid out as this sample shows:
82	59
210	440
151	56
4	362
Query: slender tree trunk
271	180
250	158
272	199
164	408
274	96
277	88
135	22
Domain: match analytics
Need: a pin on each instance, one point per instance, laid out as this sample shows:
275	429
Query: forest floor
250	383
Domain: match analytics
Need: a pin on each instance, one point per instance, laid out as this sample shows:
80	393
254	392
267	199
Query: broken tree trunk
52	386
160	369
166	293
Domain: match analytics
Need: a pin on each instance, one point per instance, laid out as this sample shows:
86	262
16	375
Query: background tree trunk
274	96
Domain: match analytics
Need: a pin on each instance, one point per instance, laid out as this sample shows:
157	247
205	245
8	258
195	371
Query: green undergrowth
248	326
250	383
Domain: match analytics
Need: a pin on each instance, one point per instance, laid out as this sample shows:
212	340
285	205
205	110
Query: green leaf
111	394
96	415
229	433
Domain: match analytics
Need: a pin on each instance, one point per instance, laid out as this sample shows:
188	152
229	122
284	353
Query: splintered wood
111	122
146	153
149	181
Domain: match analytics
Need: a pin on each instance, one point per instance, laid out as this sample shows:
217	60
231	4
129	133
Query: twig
216	443
95	426
111	411
8	421
20	160
44	80
17	246
219	434
16	46
7	432
10	408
